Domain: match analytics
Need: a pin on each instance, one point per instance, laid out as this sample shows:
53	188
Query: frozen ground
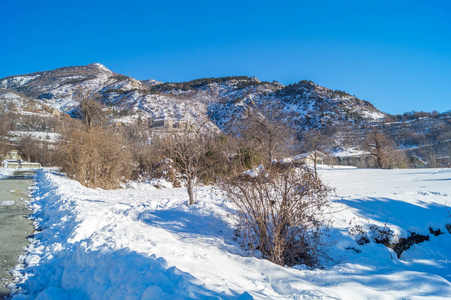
145	243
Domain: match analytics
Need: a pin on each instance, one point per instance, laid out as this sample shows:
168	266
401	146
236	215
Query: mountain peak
100	67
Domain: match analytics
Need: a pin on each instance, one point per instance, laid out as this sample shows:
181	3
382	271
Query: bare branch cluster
383	150
96	158
281	213
186	149
266	129
315	143
91	108
5	127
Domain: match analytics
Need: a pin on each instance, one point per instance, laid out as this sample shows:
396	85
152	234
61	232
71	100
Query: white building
13	160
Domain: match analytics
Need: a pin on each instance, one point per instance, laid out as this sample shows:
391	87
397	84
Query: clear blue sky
396	54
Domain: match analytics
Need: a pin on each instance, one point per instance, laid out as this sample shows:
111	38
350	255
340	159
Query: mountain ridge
158	100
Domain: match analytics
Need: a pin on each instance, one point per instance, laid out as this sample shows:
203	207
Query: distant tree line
415	115
244	81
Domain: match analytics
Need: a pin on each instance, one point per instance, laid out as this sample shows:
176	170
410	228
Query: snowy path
145	243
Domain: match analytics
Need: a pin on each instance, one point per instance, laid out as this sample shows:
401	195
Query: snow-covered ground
145	243
50	137
349	152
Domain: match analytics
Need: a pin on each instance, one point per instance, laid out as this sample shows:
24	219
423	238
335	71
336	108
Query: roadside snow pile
98	244
4	172
145	243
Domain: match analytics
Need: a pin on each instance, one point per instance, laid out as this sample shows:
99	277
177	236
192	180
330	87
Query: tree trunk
189	188
379	162
379	157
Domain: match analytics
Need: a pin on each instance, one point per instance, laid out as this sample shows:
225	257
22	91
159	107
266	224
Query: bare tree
315	143
36	150
91	108
380	147
268	130
186	149
281	213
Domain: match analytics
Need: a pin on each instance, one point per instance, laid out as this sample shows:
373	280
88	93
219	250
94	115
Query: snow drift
145	243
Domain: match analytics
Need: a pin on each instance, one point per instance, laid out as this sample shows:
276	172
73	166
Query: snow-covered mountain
221	100
305	104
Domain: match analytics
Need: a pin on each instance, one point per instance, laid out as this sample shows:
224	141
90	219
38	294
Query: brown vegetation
383	150
91	108
281	213
5	127
266	131
96	158
34	150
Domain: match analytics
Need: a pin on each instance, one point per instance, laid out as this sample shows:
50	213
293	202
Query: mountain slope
221	100
12	101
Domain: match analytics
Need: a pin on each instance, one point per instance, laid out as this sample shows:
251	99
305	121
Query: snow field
145	243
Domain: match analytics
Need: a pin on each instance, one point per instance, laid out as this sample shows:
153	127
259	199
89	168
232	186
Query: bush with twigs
96	158
282	213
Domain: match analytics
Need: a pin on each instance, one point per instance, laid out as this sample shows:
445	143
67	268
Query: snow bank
145	243
79	273
5	172
93	245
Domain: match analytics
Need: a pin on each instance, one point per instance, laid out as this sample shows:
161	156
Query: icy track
145	243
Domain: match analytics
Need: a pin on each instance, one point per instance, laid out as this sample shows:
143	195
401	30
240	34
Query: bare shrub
154	161
186	149
281	213
96	158
5	127
34	150
137	139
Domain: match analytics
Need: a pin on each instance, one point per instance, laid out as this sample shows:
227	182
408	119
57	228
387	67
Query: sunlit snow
141	242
